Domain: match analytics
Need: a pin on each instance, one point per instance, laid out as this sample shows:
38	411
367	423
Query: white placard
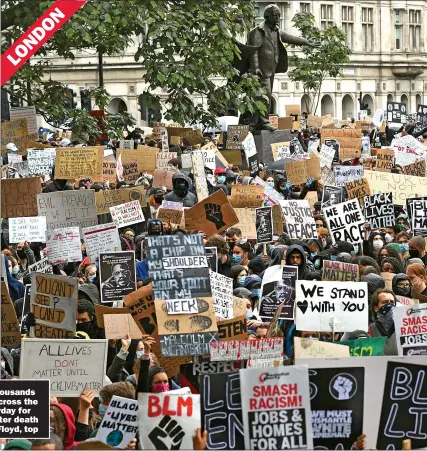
64	246
264	348
327	154
165	139
169	204
101	238
222	293
344	174
182	306
42	266
13	158
127	214
209	158
345	221
31	229
26	112
299	219
331	306
407	150
249	146
163	158
70	365
126	144
41	161
410	324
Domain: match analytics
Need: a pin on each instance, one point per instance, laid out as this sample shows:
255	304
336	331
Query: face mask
317	264
282	188
21	253
271	184
241	280
404	247
15	270
92	278
210	178
102	410
401	227
377	245
356	249
139	354
87	327
312	338
385	317
333	258
271	248
312	255
160	387
129	237
388	238
221	179
237	259
257	292
414	253
403	291
249	314
181	188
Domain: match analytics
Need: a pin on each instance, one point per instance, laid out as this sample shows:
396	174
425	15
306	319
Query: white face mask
388	238
15	270
378	244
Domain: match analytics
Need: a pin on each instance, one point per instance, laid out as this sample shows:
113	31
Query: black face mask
159	200
413	253
403	291
87	327
21	253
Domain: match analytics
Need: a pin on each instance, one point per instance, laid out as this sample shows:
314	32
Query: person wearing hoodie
373	245
295	256
256	265
401	285
57	184
16	288
181	184
62	421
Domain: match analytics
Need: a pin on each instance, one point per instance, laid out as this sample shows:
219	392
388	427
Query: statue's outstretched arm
295	40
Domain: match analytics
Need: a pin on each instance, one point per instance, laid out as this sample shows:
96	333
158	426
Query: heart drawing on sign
303	306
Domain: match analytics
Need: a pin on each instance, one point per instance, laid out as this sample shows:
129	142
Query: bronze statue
268	56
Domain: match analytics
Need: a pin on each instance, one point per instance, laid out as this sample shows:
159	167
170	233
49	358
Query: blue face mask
271	248
92	278
236	259
404	247
356	249
249	314
241	280
257	292
313	255
333	258
102	410
139	354
221	179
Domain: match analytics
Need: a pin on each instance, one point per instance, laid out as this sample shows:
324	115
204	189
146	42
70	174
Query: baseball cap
12	147
220	171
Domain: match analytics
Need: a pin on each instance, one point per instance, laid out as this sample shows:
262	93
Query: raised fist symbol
168	432
343	387
214	215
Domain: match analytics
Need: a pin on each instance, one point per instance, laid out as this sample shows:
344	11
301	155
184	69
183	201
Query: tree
184	44
317	64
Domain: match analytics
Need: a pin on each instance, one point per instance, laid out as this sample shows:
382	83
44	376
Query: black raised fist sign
168	432
214	215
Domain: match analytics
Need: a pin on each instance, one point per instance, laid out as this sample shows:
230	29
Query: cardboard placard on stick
16	132
246	222
118	326
357	189
264	224
19	197
247	196
77	162
418	168
111	198
145	157
101	310
236	134
299	171
384	161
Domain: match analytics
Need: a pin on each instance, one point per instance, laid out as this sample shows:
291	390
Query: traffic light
69	95
86	101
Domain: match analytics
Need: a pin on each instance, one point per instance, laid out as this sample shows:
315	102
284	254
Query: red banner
39	33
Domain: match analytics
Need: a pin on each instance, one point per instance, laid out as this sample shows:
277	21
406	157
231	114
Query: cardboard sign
350	141
213	214
326	306
117	275
111	198
170	212
385	160
340	271
31	229
222	293
222	411
299	171
247	222
108	171
236	134
167	418
22	168
365	347
77	162
130	172
101	310
379	210
70	365
127	214
419	217
276	400
401	186
417	168
41	161
117	326
16	131
345	222
264	225
410	325
162	159
119	425
63	246
29	113
162	179
194	137
144	156
19	197
42	266
305	348
10	330
53	303
345	174
243	196
68	209
233	329
357	189
263	348
101	238
299	219
187	334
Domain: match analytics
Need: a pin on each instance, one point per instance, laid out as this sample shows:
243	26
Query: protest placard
212	257
187	334
16	131
243	196
127	214
41	161
350	141
200	182
111	198
365	347
130	172
53	304
222	411
117	326
340	271
101	238
378	210
345	174
119	425
22	168
170	212
70	365
117	275
280	150
10	330
357	189
299	219
127	144
299	171
396	112
233	329
305	348
385	160
162	159
401	186
326	306
276	408
162	179
77	162
236	134
178	267
145	157
31	229
63	245
213	214
177	414
327	154
67	209
345	221
209	158
247	222
264	225
194	137
19	197
337	402
101	310
263	348
417	168
419	217
407	150
222	293
332	195
12	159
28	113
403	300
411	329
42	266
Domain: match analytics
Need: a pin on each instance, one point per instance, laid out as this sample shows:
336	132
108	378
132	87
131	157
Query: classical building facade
388	39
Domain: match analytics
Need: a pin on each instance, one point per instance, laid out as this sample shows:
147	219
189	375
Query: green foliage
186	48
317	64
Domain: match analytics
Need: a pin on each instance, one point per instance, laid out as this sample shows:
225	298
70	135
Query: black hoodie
399	291
302	269
188	199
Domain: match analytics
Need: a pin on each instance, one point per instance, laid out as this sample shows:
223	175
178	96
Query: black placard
332	195
419	218
264	225
25	409
422	115
212	256
222	411
336	397
397	112
253	165
186	344
404	406
379	210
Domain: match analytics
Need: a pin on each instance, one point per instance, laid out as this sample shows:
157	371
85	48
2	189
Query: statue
267	56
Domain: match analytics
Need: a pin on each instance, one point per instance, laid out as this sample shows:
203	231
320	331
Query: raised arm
295	40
